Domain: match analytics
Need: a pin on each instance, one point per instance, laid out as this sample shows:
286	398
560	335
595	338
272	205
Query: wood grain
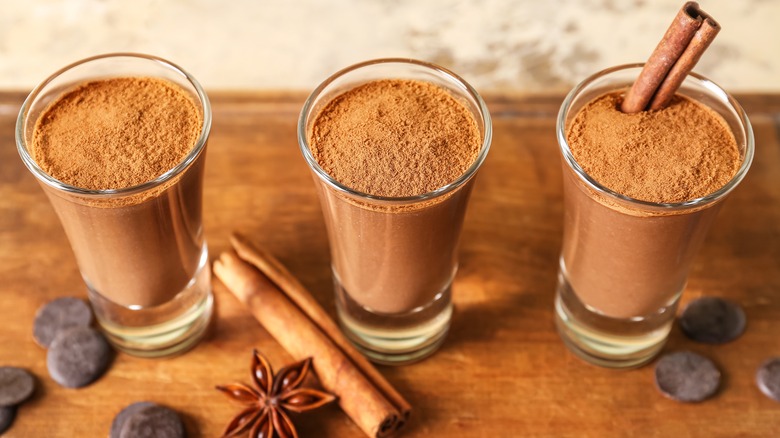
502	371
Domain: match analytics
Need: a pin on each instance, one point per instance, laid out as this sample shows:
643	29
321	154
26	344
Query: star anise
270	398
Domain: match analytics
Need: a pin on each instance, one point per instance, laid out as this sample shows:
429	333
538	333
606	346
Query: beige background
521	46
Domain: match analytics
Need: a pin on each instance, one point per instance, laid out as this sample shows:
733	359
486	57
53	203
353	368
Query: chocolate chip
153	422
712	320
58	315
768	378
687	376
7	415
78	356
16	386
124	414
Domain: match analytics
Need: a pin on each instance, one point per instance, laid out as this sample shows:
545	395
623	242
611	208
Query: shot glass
394	258
625	262
140	249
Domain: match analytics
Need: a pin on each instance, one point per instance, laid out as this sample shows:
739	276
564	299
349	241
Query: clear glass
140	250
394	259
625	262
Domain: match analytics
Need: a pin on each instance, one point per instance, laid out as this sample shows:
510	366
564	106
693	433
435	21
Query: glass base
165	330
605	341
395	339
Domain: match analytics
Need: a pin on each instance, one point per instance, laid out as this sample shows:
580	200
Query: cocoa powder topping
675	154
116	133
395	138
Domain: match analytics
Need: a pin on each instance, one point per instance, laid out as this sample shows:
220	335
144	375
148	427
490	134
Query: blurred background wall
510	46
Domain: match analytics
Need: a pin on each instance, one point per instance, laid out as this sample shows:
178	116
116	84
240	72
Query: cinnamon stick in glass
301	337
701	40
682	45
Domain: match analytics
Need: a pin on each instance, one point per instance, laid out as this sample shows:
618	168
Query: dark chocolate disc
16	386
78	356
768	378
153	422
7	415
57	315
712	320
124	414
687	376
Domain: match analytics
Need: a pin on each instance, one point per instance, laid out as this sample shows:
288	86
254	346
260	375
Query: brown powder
116	133
395	138
682	152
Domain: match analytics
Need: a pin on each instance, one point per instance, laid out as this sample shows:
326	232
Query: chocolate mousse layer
142	247
627	259
394	139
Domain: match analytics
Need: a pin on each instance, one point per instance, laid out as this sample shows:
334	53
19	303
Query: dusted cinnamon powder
682	152
116	133
395	138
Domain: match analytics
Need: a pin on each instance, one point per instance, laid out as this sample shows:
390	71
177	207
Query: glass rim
717	90
306	114
176	170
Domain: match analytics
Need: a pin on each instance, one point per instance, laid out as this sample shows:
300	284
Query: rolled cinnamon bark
358	397
295	291
701	40
669	49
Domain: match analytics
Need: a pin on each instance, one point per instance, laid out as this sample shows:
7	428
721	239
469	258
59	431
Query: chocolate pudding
393	139
141	247
623	260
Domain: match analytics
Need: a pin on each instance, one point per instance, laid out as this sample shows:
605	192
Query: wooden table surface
502	371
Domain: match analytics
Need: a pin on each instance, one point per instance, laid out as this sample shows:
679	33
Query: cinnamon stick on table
677	53
359	397
295	291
